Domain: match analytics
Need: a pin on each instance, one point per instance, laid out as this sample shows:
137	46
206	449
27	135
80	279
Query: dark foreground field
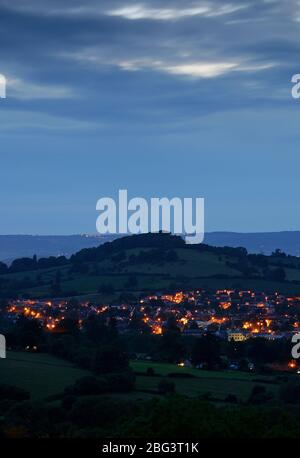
44	375
204	404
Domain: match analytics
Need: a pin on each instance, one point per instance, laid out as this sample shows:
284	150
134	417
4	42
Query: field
40	374
192	263
44	375
218	384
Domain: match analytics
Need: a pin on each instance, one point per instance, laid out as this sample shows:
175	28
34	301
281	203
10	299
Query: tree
260	350
170	347
172	325
110	359
278	253
137	324
23	264
206	350
28	332
68	326
121	382
95	329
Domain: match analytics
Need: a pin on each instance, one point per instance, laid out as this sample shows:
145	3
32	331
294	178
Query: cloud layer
129	63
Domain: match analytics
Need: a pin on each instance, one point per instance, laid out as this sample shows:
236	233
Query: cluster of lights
157	330
259	326
175	299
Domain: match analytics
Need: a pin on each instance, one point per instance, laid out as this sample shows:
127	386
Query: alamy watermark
296	88
2	347
296	347
2	87
138	216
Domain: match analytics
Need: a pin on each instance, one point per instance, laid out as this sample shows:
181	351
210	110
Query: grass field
40	374
44	375
192	263
218	384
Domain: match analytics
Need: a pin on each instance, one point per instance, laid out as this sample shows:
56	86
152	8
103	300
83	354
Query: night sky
163	98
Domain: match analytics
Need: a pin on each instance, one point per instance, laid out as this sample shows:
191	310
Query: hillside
148	262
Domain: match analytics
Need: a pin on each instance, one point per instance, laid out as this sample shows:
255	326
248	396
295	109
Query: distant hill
257	242
19	246
137	264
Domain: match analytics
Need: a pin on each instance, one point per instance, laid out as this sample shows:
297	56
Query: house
236	336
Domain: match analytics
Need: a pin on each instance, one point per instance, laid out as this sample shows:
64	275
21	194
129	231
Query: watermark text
138	216
2	347
2	87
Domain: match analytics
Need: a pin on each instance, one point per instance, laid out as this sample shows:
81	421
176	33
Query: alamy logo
137	216
296	347
296	88
2	347
2	87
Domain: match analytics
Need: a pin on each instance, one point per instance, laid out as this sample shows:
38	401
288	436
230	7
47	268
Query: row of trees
29	264
173	418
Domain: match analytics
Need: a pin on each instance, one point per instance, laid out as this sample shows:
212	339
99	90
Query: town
230	315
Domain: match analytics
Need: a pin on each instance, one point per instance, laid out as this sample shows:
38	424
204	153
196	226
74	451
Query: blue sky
164	98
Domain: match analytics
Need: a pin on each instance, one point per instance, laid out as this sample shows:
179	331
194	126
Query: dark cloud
104	62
